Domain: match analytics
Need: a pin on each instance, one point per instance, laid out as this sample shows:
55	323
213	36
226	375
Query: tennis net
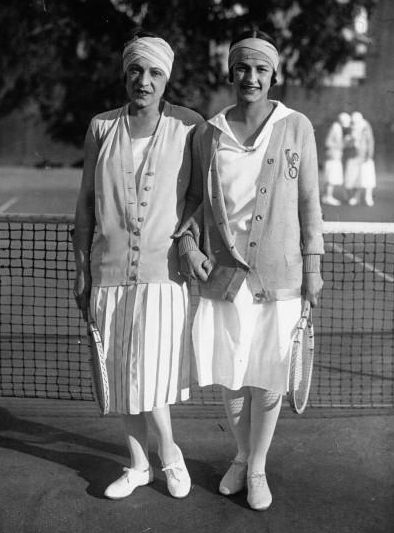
43	345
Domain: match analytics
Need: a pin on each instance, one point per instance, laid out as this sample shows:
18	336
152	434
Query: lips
248	89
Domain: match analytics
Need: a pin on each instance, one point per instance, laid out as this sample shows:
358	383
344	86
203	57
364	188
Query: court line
368	266
8	204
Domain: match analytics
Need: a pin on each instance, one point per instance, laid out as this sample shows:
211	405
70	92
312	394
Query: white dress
146	335
242	343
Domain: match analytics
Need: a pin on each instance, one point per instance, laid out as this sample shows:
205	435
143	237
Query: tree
64	55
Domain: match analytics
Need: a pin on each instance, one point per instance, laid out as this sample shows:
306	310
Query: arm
193	263
192	217
310	219
84	226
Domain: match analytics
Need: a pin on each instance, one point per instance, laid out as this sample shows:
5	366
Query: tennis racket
100	376
301	360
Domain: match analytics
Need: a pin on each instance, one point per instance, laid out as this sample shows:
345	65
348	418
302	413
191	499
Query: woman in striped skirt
136	172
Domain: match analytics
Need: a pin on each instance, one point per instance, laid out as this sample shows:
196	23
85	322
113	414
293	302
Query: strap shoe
178	479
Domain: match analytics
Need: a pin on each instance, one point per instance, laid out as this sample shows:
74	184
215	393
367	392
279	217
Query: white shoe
178	479
130	480
234	480
259	494
353	201
330	200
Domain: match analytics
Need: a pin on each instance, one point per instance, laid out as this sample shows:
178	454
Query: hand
195	265
312	285
82	290
192	224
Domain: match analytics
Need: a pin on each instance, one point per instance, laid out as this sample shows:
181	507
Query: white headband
250	48
154	49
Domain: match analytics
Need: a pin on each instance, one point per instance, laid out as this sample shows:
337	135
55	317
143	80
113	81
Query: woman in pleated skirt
136	173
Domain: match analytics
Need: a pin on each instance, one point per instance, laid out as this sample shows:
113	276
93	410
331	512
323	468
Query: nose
251	76
144	78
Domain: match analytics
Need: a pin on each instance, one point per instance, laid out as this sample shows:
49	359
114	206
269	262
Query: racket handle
89	315
306	309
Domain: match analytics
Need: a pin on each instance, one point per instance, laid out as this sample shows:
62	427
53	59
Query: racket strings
99	368
303	367
301	363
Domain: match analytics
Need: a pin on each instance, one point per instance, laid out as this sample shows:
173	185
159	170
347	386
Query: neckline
158	125
249	147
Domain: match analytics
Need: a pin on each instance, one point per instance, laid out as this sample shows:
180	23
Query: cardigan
286	229
133	241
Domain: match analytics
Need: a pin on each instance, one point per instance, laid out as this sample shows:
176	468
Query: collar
219	120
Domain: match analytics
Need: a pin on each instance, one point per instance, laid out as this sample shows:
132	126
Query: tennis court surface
327	475
331	470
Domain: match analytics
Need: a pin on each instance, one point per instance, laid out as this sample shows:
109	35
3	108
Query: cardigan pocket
219	278
223	283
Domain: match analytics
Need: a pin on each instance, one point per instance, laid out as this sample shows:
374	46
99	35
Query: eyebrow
137	66
241	63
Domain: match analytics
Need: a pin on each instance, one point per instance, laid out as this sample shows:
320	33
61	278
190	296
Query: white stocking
265	408
237	405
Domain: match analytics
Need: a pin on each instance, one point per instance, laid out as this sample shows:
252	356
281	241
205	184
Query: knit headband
253	48
154	49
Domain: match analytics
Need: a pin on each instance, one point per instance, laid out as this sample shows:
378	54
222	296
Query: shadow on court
326	474
46	442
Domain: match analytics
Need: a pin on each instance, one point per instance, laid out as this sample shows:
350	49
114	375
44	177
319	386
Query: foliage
64	55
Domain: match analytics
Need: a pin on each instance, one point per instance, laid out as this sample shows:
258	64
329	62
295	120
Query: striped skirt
146	338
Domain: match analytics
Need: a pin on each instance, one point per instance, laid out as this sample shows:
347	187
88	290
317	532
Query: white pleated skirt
146	338
244	344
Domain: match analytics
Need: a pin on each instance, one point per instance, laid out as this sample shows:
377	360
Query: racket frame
99	366
304	327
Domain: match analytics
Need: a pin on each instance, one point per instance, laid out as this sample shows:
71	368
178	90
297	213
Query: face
344	120
145	83
357	118
252	79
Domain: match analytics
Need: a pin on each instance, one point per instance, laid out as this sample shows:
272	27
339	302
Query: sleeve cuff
311	263
186	244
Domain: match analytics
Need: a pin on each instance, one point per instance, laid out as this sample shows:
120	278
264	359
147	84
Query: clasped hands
195	265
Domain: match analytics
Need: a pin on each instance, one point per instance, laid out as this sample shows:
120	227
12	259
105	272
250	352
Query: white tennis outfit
138	299
242	343
144	329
